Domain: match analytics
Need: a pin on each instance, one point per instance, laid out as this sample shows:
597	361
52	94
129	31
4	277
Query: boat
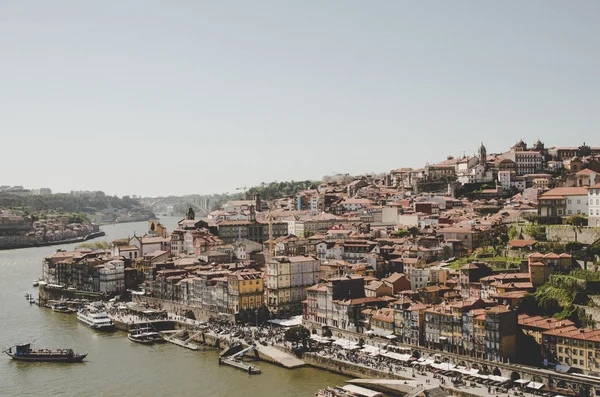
61	308
96	318
26	295
145	335
36	283
26	353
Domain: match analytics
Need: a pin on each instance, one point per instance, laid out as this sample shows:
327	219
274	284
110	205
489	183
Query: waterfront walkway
282	358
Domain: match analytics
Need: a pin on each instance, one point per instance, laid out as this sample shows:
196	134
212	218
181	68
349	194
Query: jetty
173	338
235	360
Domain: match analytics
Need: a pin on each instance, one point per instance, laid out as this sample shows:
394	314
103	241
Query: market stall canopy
535	385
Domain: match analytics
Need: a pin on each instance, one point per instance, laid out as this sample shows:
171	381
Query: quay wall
46	294
347	369
200	313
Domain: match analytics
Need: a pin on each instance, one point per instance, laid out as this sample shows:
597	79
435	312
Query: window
569	211
569	201
578	201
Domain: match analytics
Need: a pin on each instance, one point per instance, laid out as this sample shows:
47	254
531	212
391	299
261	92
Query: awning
320	339
564	368
391	337
371	350
346	344
500	379
522	381
398	356
535	385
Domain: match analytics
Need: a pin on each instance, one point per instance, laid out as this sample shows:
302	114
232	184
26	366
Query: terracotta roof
521	243
543	323
576	333
566	191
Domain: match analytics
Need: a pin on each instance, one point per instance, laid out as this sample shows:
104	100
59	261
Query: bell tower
482	155
191	215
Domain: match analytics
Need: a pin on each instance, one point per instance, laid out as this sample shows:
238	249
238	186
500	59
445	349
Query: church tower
482	155
190	215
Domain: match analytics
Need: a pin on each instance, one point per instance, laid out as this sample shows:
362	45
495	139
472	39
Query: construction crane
244	189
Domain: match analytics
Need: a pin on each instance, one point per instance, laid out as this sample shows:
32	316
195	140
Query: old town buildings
403	258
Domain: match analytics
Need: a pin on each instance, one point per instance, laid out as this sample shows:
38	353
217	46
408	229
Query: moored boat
145	335
96	318
36	283
26	353
61	308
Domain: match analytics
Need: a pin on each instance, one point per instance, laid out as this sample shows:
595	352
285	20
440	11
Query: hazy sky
174	97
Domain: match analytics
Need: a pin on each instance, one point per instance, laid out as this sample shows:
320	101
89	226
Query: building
246	290
578	348
562	202
287	280
535	326
526	161
111	277
594	205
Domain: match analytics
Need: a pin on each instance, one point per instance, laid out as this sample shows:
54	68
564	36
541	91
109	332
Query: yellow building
576	347
246	289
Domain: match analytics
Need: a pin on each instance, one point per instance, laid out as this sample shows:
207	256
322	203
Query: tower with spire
482	155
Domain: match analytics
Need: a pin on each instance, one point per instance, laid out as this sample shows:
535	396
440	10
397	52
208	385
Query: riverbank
37	244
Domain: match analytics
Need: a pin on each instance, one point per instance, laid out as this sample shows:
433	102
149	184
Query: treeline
275	190
67	202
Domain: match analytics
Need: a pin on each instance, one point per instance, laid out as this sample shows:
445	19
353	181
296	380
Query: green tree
400	233
297	335
577	220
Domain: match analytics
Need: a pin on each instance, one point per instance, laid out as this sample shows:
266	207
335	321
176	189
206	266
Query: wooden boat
25	353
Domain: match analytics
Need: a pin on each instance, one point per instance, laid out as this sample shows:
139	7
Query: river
115	366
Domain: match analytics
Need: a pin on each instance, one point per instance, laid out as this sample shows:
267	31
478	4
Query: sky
180	97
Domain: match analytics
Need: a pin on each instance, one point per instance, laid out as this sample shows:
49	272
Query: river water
116	366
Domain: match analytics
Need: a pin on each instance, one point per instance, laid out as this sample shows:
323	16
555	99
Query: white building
508	179
594	205
112	277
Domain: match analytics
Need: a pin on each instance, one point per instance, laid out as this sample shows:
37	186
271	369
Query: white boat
36	283
95	317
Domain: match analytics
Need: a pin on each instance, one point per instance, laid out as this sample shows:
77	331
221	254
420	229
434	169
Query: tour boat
25	353
96	318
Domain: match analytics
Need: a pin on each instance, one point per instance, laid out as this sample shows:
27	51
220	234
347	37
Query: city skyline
209	97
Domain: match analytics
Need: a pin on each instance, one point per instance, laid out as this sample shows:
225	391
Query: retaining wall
348	369
565	234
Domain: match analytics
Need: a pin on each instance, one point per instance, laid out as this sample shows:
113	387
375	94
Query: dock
235	359
236	363
183	343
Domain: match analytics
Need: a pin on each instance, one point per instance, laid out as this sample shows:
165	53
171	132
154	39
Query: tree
297	335
414	231
400	233
577	220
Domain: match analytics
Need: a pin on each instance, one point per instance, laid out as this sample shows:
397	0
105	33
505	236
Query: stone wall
565	234
47	293
344	368
174	307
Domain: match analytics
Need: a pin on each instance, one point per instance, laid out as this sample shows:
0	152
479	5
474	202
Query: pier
235	360
172	338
